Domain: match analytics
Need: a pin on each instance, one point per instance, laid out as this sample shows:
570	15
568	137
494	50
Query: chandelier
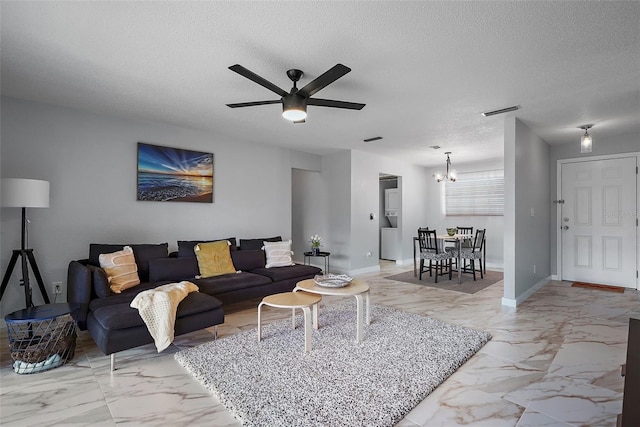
449	175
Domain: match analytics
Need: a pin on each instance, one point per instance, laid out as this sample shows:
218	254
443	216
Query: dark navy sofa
115	326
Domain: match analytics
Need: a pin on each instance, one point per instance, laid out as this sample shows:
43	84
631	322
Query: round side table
41	337
292	300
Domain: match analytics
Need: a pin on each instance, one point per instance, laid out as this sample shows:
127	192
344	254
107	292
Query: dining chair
468	231
430	250
476	252
466	243
417	238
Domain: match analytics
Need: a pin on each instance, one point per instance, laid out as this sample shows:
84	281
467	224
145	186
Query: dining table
459	238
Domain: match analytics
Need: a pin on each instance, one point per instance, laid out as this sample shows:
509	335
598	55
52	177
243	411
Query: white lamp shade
25	193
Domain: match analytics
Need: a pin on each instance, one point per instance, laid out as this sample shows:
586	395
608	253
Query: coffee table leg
260	322
315	316
366	299
307	328
359	318
293	318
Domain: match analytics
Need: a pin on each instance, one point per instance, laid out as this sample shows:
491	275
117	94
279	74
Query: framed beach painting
168	174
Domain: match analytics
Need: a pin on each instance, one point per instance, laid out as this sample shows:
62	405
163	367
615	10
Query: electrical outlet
57	287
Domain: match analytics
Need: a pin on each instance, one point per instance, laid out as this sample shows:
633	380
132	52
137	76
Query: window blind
475	194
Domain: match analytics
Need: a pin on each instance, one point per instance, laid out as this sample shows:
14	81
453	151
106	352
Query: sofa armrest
79	284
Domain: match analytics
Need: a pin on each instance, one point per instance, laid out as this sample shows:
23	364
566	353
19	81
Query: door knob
566	227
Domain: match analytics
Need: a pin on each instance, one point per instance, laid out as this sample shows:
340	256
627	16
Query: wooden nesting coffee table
293	300
356	288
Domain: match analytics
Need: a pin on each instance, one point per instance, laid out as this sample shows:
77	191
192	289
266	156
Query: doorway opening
390	217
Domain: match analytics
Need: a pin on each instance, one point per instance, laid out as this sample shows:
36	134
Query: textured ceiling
426	70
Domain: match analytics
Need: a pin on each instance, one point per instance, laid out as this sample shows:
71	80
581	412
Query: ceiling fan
294	103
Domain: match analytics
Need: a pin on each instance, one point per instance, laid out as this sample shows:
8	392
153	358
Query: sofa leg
113	362
215	332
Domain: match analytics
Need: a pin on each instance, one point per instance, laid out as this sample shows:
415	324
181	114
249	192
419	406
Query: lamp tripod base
26	256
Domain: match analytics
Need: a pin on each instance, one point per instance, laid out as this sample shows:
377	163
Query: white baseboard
365	270
494	266
509	302
555	277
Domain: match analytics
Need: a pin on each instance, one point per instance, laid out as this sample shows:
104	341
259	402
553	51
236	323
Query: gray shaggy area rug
402	358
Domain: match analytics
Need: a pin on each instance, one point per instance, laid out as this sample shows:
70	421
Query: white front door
598	221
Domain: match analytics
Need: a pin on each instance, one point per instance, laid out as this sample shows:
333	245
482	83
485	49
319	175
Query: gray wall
309	217
348	191
90	161
526	240
494	225
615	145
414	195
336	176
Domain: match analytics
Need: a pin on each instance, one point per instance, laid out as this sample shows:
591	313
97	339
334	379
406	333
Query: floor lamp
24	193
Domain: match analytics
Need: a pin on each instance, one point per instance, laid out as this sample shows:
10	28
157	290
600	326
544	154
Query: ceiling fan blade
256	78
335	104
324	80
251	104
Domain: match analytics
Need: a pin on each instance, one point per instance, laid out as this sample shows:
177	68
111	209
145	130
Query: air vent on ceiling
375	138
500	111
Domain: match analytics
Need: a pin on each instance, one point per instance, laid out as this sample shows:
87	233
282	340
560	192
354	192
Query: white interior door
597	222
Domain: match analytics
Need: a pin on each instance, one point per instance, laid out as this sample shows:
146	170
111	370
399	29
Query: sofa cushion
230	282
173	269
121	269
100	282
125	297
185	247
253	244
122	316
214	259
278	254
285	273
142	252
248	260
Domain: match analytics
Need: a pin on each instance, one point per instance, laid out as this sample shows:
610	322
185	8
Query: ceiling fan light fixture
586	141
294	108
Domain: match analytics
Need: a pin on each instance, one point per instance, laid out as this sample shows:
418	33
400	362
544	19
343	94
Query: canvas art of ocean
168	174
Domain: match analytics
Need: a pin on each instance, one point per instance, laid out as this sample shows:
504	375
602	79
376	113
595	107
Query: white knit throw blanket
158	308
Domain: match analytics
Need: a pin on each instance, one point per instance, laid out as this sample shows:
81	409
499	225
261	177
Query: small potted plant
315	244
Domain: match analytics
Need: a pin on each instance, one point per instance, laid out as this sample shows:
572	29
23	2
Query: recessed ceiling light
500	111
375	138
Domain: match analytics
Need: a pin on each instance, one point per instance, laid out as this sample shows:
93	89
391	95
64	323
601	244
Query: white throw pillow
278	254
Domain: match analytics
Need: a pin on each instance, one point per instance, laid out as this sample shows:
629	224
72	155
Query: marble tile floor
553	361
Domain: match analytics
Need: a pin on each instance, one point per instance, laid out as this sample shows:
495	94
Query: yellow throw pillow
214	258
121	269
